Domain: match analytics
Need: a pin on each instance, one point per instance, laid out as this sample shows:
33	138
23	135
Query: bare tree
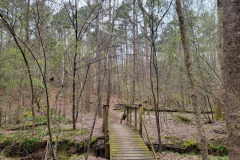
192	80
154	66
43	72
110	53
146	42
134	52
220	105
88	83
13	34
75	25
99	59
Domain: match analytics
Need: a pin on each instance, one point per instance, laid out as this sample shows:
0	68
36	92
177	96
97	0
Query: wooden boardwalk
126	144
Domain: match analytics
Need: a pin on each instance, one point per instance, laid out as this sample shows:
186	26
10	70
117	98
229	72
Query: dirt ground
170	127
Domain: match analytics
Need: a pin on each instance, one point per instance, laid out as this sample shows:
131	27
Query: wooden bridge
123	141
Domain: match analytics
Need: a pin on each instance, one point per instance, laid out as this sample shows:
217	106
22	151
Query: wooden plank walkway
126	144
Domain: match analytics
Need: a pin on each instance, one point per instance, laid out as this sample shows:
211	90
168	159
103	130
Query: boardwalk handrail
145	127
129	108
128	114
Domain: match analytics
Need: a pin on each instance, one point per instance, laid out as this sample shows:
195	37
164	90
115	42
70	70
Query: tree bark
110	55
134	52
99	62
231	74
75	66
182	88
27	20
146	44
189	67
88	82
220	105
1	38
127	61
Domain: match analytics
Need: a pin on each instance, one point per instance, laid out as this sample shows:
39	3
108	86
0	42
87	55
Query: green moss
189	144
94	139
32	144
76	157
41	131
174	141
65	120
1	138
63	157
183	119
168	137
218	148
220	158
69	133
219	115
70	142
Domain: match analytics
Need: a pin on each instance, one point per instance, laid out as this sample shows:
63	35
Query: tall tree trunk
99	62
89	59
89	81
182	88
40	21
146	44
26	39
27	21
126	62
110	55
220	30
231	74
75	66
190	72
154	72
1	38
134	52
220	105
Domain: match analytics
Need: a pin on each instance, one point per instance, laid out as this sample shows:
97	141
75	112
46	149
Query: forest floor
174	132
178	133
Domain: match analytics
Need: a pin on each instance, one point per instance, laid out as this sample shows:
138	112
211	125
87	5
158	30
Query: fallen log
25	127
172	110
120	106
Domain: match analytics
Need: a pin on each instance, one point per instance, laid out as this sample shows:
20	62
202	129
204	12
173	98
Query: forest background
61	60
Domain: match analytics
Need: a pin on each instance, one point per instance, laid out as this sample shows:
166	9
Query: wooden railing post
130	115
140	119
135	117
105	129
127	113
107	117
0	117
104	122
